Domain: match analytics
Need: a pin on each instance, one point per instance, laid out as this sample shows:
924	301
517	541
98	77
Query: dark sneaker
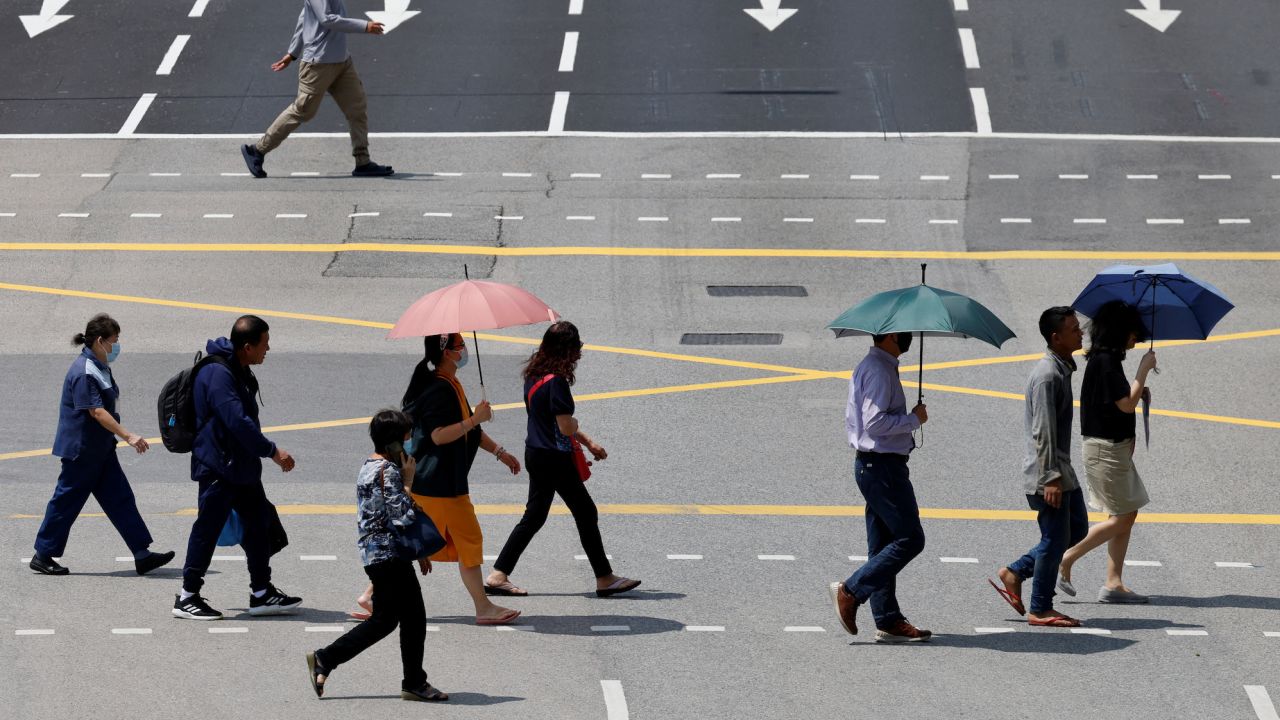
902	632
424	693
846	607
47	566
373	169
253	159
273	602
194	608
152	561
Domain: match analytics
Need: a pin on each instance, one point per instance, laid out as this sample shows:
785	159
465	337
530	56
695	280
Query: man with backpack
226	454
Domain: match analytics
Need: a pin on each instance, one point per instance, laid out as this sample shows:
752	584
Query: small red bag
579	457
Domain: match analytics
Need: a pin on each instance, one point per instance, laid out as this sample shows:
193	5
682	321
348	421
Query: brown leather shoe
902	632
846	607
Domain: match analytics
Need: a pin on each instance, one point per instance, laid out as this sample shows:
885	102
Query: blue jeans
894	534
1060	528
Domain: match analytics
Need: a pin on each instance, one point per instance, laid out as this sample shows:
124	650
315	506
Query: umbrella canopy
922	309
1173	304
469	306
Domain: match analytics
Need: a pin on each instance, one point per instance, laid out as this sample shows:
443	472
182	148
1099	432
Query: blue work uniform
89	462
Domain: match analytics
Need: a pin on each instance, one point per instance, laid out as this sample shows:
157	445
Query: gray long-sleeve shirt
321	33
1050	409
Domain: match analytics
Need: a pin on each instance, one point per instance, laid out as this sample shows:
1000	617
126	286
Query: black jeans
397	600
217	499
553	473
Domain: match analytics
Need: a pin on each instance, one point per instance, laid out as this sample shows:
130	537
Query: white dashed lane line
610	628
704	628
1003	177
798	219
1143	563
29	176
864	177
726	219
981	110
962	5
935	178
228	557
228	630
171	57
363	214
1213	177
969	48
317	558
615	701
197	10
1090	221
656	218
8	214
305	173
1015	221
584	557
438	214
290	216
102	175
1185	633
1234	221
130	631
234	174
135	116
942	221
517	174
575	7
803	629
870	221
218	216
34	631
73	215
323	628
793	176
1164	221
684	557
508	217
776	557
446	174
1261	702
1235	565
143	215
993	630
1069	176
655	176
1143	177
585	176
1271	634
1090	631
580	217
569	52
724	176
965	560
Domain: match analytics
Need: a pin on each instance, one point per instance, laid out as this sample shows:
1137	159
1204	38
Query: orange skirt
455	518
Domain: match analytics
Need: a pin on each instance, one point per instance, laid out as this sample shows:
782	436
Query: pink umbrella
472	305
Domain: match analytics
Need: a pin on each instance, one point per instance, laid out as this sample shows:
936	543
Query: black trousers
217	499
553	473
397	600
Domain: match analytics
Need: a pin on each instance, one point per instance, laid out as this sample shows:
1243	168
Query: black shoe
273	602
373	169
47	566
152	561
194	608
315	670
253	159
423	693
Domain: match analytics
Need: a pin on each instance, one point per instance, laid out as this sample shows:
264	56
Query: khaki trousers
314	80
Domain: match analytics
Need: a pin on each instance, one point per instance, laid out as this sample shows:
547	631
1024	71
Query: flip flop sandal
1059	621
314	670
506	589
426	693
620	585
1014	601
504	619
359	615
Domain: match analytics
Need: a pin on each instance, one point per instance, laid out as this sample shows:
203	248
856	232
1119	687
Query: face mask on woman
463	358
114	352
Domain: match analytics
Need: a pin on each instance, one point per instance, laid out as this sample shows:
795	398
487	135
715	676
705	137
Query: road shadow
578	625
633	595
167	573
455	698
1135	624
311	615
1239	602
1051	642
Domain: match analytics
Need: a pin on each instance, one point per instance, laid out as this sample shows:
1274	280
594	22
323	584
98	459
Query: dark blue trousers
894	533
217	499
102	477
1060	528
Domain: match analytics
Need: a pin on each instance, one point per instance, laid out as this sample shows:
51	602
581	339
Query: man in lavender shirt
880	428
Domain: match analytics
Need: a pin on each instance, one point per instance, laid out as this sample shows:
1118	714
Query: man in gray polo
320	42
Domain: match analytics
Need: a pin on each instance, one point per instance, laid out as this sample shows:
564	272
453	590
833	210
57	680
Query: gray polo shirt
1050	409
321	33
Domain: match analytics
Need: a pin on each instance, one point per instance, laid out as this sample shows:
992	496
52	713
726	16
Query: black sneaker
273	602
194	608
373	169
47	566
152	561
253	159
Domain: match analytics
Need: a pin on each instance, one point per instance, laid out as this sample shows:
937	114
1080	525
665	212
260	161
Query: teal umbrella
924	310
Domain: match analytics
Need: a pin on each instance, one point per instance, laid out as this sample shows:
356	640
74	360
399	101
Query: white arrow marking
396	13
770	14
1152	15
47	19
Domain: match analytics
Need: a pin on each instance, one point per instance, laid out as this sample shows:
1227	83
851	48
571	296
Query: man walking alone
320	42
880	428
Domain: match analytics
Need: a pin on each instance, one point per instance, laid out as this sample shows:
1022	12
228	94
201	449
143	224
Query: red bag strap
528	400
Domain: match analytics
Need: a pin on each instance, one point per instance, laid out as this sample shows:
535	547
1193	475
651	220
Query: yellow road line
671	252
829	511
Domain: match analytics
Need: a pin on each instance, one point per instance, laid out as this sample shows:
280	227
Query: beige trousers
314	80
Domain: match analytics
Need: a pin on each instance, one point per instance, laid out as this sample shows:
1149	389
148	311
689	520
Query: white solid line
798	219
1090	631
1090	221
130	631
659	218
1234	565
438	214
1270	633
448	174
615	702
593	176
981	110
135	116
1022	221
775	557
102	175
1143	563
944	222
75	215
508	217
803	628
197	10
584	557
655	176
1143	177
290	216
559	109
580	217
171	57
1196	633
323	628
993	630
1072	177
704	628
228	557
858	558
958	560
684	557
237	174
363	214
610	628
726	219
933	178
870	221
517	174
34	631
793	177
306	558
219	216
962	5
1003	177
24	175
145	215
1214	177
1261	702
724	176
575	7
969	47
1234	221
305	173
227	630
569	51
864	177
1164	221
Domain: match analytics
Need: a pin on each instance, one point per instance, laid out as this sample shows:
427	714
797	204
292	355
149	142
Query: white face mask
463	358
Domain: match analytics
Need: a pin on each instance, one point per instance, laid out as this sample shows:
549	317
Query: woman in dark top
1108	401
548	454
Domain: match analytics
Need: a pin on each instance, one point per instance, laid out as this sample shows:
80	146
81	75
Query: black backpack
177	406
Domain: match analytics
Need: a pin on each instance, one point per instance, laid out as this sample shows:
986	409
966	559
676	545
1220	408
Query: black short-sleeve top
442	469
551	398
1104	383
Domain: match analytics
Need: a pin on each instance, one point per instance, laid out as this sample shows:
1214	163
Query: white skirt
1113	482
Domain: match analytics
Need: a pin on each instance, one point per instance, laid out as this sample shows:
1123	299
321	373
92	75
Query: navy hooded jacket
229	443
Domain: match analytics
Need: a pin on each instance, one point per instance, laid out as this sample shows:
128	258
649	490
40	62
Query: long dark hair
433	347
558	354
1110	327
99	326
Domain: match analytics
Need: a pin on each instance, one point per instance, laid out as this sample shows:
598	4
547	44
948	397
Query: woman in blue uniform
88	426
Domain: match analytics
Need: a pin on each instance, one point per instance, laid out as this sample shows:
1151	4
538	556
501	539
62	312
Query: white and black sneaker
194	608
273	602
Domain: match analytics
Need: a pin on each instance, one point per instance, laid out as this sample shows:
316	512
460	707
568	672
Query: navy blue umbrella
1173	304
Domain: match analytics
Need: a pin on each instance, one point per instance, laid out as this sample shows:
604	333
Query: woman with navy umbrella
88	425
